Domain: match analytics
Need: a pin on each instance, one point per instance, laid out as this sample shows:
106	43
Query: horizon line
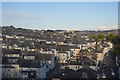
62	29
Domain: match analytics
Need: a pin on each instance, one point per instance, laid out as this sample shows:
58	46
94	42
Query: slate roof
45	57
5	60
75	63
39	56
79	41
47	49
30	63
7	66
30	53
11	51
74	47
61	52
87	61
37	45
79	73
63	48
89	41
97	51
51	46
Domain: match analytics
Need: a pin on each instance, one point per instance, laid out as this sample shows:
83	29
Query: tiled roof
11	51
45	57
30	63
79	73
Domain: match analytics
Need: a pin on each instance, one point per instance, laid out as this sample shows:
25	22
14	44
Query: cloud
104	28
17	15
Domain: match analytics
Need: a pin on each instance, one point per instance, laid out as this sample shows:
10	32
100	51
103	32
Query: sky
0	13
61	15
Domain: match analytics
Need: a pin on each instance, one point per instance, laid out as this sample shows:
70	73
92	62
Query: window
12	55
8	69
16	55
24	73
31	73
76	66
29	57
9	76
47	66
13	60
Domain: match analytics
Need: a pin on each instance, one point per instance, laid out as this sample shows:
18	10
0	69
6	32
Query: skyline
61	15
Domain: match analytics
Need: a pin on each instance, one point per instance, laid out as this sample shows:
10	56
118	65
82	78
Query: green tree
110	37
101	37
116	45
95	38
116	40
98	37
116	49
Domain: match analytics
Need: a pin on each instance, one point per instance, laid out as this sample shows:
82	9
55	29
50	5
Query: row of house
33	53
26	65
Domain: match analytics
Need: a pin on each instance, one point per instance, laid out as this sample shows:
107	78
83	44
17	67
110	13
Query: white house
91	43
10	71
32	69
100	55
62	56
46	51
110	44
48	59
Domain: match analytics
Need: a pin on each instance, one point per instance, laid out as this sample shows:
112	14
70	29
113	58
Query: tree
98	37
116	49
116	40
110	37
95	38
101	37
116	43
50	30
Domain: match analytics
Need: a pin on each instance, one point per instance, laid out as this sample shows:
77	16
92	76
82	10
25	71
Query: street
111	68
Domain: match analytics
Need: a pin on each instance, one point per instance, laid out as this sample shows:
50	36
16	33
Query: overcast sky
61	15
